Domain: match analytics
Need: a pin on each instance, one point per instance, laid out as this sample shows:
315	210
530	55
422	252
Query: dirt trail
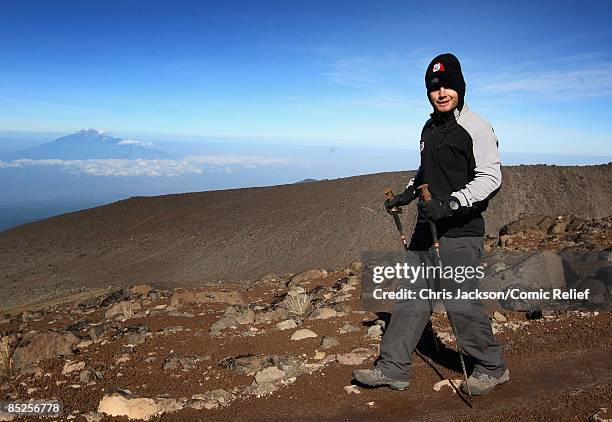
560	365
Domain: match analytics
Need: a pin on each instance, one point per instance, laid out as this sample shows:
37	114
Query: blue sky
321	72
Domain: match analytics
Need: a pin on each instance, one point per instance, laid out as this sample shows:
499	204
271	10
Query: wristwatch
453	204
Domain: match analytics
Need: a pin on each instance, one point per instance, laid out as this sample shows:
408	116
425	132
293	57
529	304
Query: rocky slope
243	234
284	349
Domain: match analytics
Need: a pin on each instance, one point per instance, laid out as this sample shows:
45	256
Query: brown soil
560	367
192	239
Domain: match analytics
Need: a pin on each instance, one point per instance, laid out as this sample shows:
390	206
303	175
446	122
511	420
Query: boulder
245	364
35	347
141	289
270	375
531	222
136	408
533	270
125	308
233	316
306	275
597	289
302	334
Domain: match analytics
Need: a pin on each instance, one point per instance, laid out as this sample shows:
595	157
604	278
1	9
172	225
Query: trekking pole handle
395	211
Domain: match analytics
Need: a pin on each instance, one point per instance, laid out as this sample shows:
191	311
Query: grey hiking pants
410	317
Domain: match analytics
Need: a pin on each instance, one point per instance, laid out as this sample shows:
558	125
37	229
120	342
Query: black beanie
445	70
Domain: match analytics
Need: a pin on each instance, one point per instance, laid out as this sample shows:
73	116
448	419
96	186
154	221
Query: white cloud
564	78
154	168
136	143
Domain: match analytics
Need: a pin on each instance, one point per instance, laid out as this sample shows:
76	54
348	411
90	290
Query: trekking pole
425	195
395	212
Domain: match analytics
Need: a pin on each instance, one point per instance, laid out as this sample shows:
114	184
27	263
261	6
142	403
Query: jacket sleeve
412	183
487	171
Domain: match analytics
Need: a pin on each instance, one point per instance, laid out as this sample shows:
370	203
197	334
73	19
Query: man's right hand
404	198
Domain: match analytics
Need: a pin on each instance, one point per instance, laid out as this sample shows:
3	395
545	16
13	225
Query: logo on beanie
438	67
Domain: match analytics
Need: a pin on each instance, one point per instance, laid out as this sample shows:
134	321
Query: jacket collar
447	117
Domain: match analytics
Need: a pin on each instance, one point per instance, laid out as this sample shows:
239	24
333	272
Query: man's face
444	99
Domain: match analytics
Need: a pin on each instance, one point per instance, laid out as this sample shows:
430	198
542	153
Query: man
460	164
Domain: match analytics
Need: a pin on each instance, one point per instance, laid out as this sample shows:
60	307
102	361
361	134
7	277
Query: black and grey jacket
459	158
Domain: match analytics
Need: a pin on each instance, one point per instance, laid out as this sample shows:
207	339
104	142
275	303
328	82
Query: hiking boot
375	378
481	383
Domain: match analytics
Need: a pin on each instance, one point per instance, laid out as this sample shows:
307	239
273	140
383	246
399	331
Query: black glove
404	198
438	208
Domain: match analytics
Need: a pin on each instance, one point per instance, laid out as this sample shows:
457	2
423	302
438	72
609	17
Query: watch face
454	205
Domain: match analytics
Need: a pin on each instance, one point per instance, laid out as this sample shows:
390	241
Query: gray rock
286	325
273	315
323	313
35	347
348	328
183	363
498	317
355	357
270	375
327	342
303	334
374	331
533	271
597	289
305	276
246	364
233	316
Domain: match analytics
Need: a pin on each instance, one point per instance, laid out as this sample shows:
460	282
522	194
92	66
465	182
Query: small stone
72	366
93	416
302	334
83	344
319	355
351	389
497	316
84	376
327	342
141	289
355	357
288	324
323	313
296	290
269	375
348	328
374	331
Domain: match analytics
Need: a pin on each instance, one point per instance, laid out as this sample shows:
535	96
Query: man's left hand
436	208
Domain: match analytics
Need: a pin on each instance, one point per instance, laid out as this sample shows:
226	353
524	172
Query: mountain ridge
230	235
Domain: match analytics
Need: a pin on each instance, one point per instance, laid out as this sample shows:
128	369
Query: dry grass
5	356
298	304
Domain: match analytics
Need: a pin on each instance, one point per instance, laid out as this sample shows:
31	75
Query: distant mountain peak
96	133
89	144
